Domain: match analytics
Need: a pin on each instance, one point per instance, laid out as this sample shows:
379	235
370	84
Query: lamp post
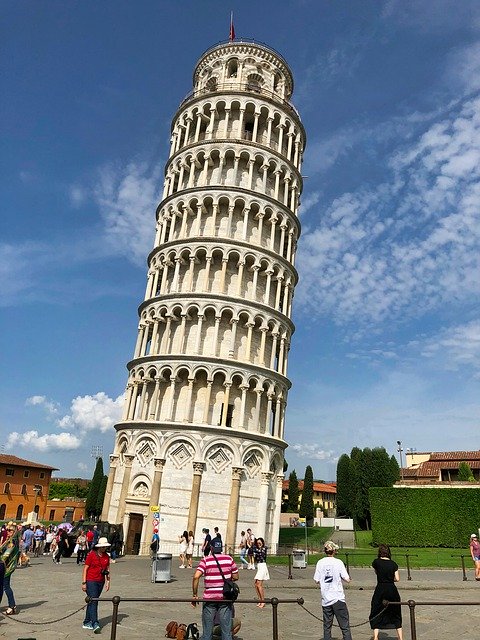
400	450
37	489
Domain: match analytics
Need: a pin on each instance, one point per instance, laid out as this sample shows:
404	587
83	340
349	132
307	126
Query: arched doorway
134	534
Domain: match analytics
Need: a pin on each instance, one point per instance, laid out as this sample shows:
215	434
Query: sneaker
96	627
87	625
182	566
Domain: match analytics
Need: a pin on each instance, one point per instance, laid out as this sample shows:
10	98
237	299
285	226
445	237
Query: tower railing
248	87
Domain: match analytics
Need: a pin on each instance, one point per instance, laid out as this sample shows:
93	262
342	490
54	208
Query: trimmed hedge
433	517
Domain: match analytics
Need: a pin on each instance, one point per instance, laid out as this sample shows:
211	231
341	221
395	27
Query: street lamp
400	450
37	489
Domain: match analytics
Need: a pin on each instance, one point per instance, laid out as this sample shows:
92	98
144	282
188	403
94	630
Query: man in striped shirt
213	593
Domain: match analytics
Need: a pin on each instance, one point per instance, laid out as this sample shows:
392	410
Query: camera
105	572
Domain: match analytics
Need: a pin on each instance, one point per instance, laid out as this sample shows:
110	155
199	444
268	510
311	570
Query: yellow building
324	495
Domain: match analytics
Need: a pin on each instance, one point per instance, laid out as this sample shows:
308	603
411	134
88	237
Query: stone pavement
46	592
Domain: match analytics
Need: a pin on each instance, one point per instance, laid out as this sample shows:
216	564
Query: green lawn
362	556
296	536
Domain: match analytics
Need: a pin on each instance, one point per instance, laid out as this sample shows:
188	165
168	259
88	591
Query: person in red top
96	575
89	536
208	568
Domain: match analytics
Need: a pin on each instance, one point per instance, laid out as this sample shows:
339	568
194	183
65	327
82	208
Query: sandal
11	611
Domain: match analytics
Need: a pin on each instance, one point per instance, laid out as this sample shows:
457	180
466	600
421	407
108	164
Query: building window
9	472
19	515
37	508
3	509
26	473
42	475
52	514
24	489
6	488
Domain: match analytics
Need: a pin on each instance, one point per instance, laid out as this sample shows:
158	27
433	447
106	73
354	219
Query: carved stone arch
145	448
140	486
276	462
219	456
180	451
165	372
253	461
122	448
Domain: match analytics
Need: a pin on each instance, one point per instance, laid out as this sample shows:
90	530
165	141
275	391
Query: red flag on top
231	37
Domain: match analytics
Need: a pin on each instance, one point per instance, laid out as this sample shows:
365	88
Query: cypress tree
293	492
94	489
345	493
101	495
307	509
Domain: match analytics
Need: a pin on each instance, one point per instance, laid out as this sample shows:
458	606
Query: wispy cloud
43	442
313	452
41	401
127	199
407	245
457	347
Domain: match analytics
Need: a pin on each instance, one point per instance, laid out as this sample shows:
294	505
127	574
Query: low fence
117	600
413	604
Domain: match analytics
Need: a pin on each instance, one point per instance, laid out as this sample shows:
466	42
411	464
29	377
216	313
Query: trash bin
162	568
299	559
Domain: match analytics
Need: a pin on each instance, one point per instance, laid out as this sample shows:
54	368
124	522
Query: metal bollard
346	563
413	628
290	577
116	603
409	577
274	602
463	568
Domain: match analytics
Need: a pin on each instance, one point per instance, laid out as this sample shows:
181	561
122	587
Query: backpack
216	545
192	632
175	630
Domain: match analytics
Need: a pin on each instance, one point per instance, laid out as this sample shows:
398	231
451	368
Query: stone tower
202	434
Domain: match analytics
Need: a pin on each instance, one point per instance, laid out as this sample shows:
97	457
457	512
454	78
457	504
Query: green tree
62	490
101	495
293	492
465	472
93	490
345	493
364	468
307	508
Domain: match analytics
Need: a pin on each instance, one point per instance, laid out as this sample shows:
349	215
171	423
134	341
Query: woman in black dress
387	574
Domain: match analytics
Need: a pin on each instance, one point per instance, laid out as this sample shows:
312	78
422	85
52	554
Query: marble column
108	491
261	528
198	468
128	459
233	510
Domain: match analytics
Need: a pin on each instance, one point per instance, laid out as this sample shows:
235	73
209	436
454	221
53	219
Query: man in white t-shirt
329	574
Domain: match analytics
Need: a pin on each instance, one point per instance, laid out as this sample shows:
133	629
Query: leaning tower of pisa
202	435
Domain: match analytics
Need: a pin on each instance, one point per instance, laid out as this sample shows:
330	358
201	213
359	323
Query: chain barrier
352	626
28	622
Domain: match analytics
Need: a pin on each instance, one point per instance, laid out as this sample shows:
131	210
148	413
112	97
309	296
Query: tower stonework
202	434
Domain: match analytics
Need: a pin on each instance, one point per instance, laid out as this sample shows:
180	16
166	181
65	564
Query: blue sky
387	345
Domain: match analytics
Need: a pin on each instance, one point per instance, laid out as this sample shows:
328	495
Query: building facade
438	467
324	496
24	487
202	435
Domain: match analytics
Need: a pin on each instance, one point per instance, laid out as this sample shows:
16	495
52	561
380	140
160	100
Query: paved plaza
46	592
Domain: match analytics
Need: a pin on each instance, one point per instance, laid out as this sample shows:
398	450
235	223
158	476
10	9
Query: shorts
262	572
476	558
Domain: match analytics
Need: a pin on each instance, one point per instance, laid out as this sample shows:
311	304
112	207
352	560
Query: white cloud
313	451
409	245
309	201
458	346
89	413
78	195
43	442
50	407
127	199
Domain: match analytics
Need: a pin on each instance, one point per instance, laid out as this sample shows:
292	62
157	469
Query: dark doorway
134	534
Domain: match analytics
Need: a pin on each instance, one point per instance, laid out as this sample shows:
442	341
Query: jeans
340	611
8	590
224	617
81	555
94	589
243	553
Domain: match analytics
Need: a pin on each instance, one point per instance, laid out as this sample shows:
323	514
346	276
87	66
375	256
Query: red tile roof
459	456
21	462
317	486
